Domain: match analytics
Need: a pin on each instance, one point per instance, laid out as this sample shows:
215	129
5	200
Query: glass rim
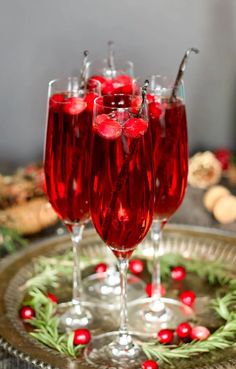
104	60
96	102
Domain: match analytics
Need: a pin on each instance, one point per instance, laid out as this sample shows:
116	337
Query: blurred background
43	40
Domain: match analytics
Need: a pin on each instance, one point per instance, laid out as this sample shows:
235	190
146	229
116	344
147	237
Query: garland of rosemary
48	271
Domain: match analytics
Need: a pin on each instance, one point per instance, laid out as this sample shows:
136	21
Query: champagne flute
66	166
121	198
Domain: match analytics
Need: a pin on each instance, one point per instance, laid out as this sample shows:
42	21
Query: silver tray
191	242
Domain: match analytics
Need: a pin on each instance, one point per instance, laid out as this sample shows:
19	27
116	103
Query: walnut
204	170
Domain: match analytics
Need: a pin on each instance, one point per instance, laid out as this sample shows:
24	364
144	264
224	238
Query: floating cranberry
27	313
53	298
184	330
135	127
155	110
223	155
188	297
135	104
107	127
178	273
149	290
100	79
165	336
136	266
149	364
101	268
199	333
55	101
81	337
89	99
74	105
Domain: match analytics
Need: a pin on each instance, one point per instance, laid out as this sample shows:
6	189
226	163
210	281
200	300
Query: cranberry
100	79
135	104
178	273
53	298
136	266
89	99
188	297
199	333
155	110
149	364
74	105
108	87
135	127
55	101
107	127
149	290
165	336
184	330
27	313
81	336
223	155
101	268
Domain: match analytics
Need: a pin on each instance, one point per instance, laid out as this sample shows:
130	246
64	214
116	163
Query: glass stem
124	338
76	236
157	305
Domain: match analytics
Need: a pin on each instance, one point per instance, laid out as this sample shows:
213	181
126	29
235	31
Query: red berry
53	298
27	313
136	266
184	330
150	364
149	290
81	337
89	99
123	84
107	127
100	79
150	98
56	101
165	336
135	104
74	105
108	87
154	109
199	333
223	155
188	297
178	273
101	268
135	127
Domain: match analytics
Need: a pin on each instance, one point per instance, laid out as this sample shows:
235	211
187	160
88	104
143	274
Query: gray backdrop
44	39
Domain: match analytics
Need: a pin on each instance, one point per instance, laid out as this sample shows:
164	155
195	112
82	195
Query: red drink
68	146
170	156
121	178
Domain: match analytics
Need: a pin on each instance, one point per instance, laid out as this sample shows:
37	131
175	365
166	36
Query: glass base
105	289
74	316
146	317
107	350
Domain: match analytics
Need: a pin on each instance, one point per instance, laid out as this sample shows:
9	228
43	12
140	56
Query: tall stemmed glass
168	122
121	205
116	77
66	166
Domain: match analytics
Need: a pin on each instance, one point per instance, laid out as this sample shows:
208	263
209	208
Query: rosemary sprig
46	325
11	240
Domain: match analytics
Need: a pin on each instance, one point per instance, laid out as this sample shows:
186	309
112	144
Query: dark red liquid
68	145
122	191
170	157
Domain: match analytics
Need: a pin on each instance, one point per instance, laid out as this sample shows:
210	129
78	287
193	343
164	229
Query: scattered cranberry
135	127
53	298
149	290
27	313
188	297
135	104
107	127
178	273
136	266
101	268
165	336
74	105
184	330
150	364
81	337
199	333
223	155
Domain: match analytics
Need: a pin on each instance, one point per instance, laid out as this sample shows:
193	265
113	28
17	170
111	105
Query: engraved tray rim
18	343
